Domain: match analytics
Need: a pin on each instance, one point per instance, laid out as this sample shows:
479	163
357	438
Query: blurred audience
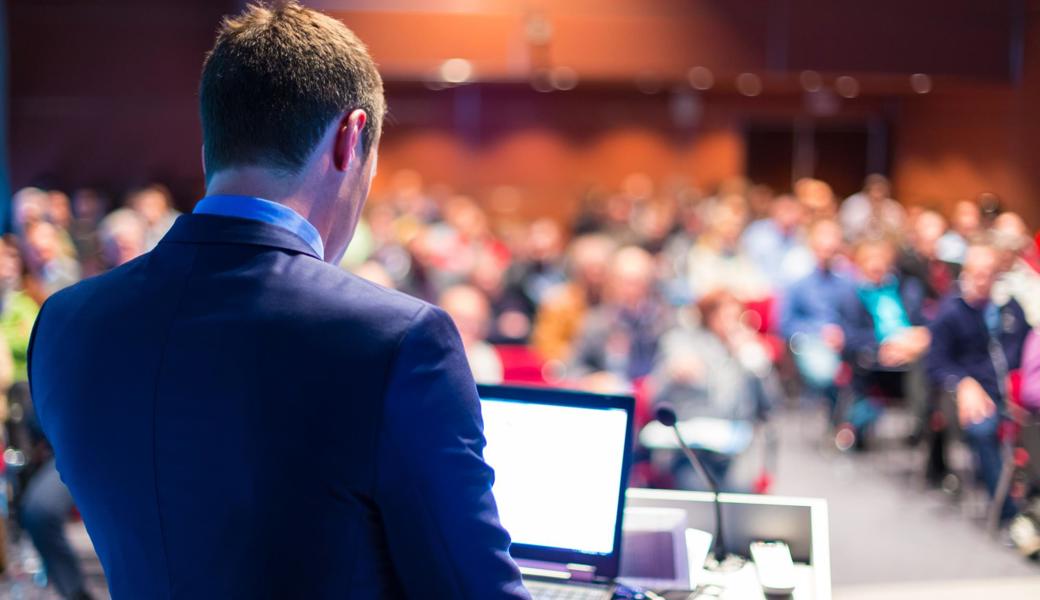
17	311
511	310
88	208
470	310
776	244
704	298
717	260
716	370
965	224
122	237
1019	276
872	212
154	204
564	306
717	367
919	259
50	266
620	335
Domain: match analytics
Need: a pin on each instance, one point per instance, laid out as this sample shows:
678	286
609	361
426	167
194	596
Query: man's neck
261	183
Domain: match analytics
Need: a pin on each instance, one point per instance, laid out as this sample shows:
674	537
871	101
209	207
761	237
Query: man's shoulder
342	289
308	288
350	307
112	281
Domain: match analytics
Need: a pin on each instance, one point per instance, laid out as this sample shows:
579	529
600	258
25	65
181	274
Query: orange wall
954	145
115	103
608	39
551	169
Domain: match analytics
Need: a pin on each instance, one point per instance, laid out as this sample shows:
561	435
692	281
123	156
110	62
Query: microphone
665	415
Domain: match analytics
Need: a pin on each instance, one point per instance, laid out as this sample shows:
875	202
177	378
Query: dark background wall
103	92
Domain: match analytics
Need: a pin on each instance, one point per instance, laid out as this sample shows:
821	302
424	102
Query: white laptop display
561	462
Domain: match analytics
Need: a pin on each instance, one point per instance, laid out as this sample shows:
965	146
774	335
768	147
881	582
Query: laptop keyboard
541	590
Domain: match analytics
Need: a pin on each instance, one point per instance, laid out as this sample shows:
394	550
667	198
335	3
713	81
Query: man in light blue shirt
776	244
810	318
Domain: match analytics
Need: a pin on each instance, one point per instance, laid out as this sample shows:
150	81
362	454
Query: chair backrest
520	364
1029	440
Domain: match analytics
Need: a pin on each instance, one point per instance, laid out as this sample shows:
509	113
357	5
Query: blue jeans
985	446
45	509
818	366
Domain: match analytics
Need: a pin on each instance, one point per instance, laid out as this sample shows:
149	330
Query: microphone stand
666	416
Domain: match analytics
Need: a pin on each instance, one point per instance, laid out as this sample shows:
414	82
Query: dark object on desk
665	414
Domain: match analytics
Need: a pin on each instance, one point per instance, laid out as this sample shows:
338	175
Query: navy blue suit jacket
237	419
961	344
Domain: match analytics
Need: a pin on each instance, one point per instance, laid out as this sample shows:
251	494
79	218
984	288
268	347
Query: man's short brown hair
275	80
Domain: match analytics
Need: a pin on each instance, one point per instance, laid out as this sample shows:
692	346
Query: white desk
800	522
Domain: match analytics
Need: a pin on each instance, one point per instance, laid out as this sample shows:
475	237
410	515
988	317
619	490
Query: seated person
50	268
919	259
468	307
718	369
717	260
562	308
540	267
121	237
974	345
620	336
777	243
872	212
42	502
810	318
884	334
511	312
1020	277
965	223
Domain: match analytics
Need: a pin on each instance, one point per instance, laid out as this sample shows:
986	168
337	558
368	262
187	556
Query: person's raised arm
433	488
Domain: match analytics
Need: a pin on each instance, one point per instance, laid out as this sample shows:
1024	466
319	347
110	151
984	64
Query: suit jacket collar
212	229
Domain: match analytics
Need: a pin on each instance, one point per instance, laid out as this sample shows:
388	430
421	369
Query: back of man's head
275	80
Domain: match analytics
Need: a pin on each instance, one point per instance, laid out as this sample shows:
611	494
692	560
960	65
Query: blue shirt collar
265	211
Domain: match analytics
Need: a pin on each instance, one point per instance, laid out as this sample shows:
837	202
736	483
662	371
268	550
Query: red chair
521	365
760	315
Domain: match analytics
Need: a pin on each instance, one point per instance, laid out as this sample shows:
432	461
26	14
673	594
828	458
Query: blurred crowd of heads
649	242
500	276
57	239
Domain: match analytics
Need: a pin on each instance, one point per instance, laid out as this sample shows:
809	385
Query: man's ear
347	144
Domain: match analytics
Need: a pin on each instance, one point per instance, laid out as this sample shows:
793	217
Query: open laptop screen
560	462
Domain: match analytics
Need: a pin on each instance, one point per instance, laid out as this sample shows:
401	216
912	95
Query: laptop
561	462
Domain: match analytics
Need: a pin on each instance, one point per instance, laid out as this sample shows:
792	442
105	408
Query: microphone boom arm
667	417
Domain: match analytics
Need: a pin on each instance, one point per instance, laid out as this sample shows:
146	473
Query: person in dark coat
975	343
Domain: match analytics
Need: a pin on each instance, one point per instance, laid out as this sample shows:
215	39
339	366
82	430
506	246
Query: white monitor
560	466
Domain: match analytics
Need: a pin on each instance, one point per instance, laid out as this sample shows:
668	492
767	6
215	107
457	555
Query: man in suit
235	416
